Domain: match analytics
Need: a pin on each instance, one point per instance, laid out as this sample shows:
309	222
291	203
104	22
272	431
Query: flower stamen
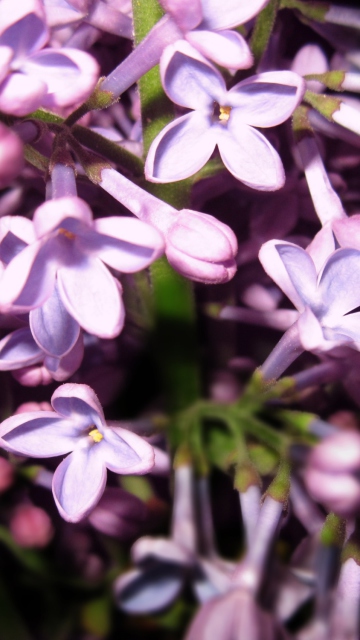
68	234
96	435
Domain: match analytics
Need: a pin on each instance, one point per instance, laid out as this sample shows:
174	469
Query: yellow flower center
96	435
67	234
224	114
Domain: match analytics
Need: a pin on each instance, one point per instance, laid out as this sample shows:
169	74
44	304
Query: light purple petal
301	270
53	328
227	48
63	368
53	213
186	13
27	33
70	75
20	95
199	270
91	295
267	99
19	226
347	231
29	278
10	246
275	268
339	282
150	590
6	55
126	452
19	349
230	14
248	155
188	79
39	434
322	245
125	244
80	402
161	550
79	482
181	149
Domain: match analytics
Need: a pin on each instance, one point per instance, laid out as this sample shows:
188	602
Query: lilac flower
327	299
64	268
30	75
223	118
100	14
76	425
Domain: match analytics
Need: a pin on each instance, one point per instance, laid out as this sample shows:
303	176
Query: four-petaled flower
223	118
77	425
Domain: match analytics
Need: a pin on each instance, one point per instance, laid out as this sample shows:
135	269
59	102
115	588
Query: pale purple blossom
226	119
31	75
63	268
76	426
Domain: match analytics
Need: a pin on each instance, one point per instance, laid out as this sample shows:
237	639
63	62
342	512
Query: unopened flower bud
201	248
31	527
332	470
11	156
6	474
32	376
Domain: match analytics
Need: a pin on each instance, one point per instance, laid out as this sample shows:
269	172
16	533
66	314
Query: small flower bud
31	527
6	474
332	470
201	248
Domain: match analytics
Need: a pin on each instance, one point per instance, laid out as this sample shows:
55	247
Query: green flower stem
263	29
175	339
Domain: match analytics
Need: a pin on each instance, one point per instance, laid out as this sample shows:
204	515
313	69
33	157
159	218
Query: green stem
175	340
262	31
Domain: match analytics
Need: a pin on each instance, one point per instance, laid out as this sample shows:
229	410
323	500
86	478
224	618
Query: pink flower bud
332	470
6	474
201	248
30	526
11	156
32	376
33	406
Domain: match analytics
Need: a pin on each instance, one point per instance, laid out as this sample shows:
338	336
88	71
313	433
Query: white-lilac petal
347	231
125	244
53	328
125	452
188	79
79	481
62	368
199	270
248	155
20	95
19	349
267	99
186	13
339	282
181	149
29	279
80	402
230	13
301	270
6	55
22	28
40	434
227	48
52	213
19	226
70	75
91	296
149	590
273	265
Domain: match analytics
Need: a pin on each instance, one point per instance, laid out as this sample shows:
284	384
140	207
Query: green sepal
279	488
333	531
331	79
312	10
326	105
